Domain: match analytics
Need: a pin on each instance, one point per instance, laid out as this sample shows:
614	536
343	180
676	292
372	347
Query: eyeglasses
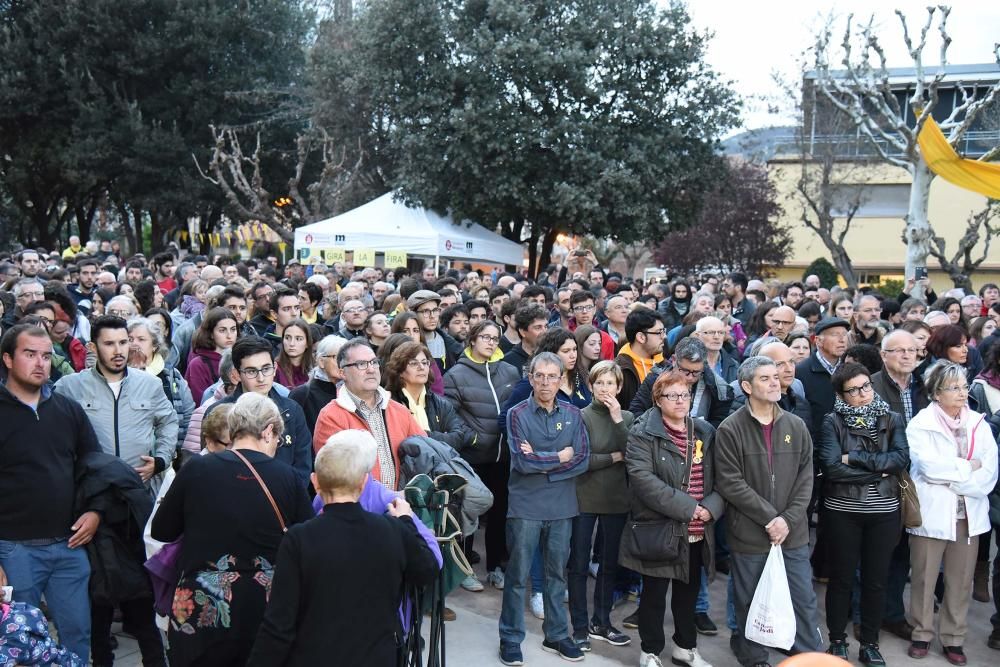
354	311
714	333
960	388
429	311
489	339
124	314
363	365
542	378
683	396
857	391
689	373
254	373
902	350
784	323
418	363
658	332
583	309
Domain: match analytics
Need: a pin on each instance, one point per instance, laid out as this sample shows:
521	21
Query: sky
756	40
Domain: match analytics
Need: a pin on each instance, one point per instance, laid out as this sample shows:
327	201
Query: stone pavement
472	639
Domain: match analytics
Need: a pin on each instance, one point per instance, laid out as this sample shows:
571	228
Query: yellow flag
184	235
394	258
981	177
281	246
331	255
364	257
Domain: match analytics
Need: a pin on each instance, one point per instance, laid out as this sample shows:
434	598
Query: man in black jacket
531	321
42	435
710	395
815	372
445	349
354	564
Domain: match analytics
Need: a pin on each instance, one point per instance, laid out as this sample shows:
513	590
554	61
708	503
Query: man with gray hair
549	447
764	470
867	328
710	395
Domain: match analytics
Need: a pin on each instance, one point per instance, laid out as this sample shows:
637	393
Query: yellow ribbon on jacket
981	177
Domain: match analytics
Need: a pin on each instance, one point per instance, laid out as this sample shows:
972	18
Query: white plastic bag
771	619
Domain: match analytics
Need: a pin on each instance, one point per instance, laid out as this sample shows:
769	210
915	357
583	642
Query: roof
903	76
386	224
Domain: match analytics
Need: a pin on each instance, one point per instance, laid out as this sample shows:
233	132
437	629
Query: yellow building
874	242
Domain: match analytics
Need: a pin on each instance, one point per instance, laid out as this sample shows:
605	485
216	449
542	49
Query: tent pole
437	262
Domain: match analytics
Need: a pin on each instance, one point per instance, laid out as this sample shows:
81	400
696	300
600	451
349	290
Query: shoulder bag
263	486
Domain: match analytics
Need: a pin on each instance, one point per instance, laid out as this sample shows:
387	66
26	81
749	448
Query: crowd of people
250	416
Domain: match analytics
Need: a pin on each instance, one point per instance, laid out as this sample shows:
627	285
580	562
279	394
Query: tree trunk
842	262
125	215
155	233
545	258
918	228
533	251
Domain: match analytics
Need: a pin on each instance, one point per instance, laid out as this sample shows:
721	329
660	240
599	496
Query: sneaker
704	625
593	568
537	606
510	654
869	656
495	579
838	648
650	660
955	655
634	591
918	650
583	643
994	640
609	634
688	656
471	584
631	621
564	648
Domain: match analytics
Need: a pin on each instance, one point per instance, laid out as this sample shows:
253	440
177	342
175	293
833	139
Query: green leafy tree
822	267
109	101
536	118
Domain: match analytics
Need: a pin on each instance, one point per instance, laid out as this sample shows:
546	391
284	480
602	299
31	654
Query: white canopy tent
383	224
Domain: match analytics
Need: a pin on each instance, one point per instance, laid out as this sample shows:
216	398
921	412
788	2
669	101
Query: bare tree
961	265
241	179
864	93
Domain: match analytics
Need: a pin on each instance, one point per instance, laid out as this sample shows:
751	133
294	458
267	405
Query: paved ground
472	639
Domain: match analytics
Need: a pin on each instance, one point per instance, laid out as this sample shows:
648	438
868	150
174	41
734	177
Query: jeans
609	536
654	606
139	618
523	537
703	604
745	573
865	540
62	575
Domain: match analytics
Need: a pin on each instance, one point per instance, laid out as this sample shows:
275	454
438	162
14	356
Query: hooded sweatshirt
634	370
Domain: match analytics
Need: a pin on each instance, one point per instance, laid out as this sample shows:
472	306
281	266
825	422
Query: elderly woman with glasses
862	450
670	472
953	462
232	509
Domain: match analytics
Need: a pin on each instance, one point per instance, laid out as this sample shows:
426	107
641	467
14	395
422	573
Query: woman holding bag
862	450
232	509
669	536
953	462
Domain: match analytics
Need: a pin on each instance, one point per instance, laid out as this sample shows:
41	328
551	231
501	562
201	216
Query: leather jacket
868	459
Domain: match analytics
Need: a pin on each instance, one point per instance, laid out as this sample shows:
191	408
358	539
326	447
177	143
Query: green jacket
603	489
758	487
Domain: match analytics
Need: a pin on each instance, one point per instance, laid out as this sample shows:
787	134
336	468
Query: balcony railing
973	144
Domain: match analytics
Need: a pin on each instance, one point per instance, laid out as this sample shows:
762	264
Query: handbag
659	540
270	498
655	541
909	502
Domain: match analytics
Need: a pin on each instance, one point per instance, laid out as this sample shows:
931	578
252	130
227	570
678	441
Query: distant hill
759	145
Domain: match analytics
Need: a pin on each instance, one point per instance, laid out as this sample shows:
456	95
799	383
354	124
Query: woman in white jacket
953	462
